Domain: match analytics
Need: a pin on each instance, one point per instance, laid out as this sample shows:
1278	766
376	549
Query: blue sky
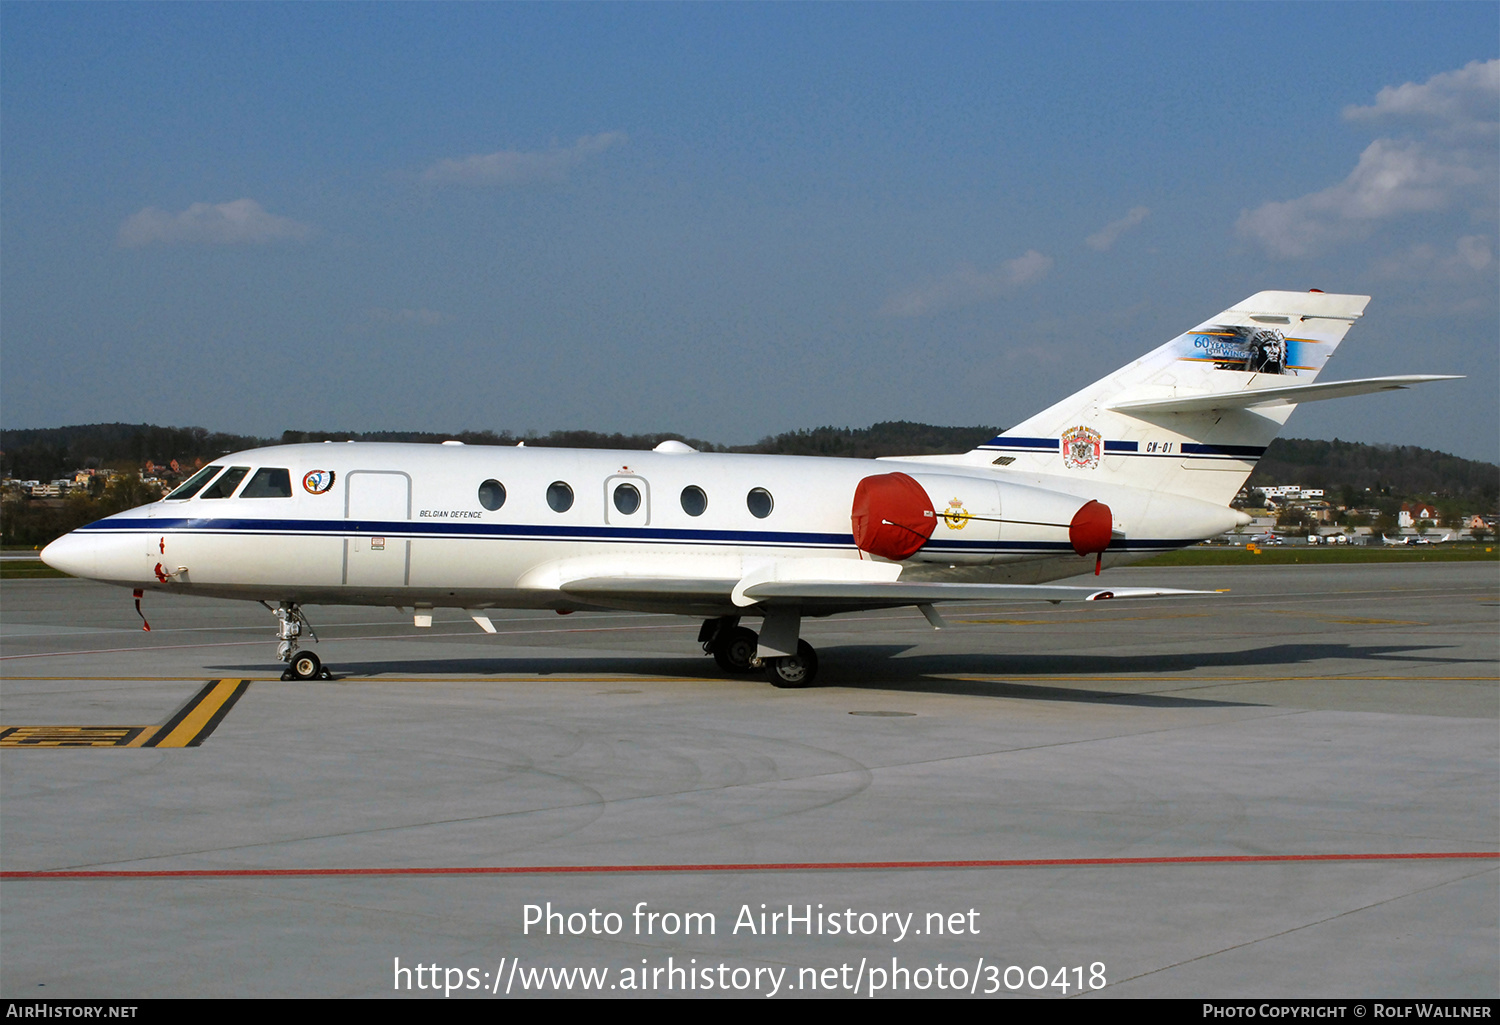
728	220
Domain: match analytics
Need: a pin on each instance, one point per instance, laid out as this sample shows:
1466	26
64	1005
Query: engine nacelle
892	516
938	517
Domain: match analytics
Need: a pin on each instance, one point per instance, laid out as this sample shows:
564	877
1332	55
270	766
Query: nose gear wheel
300	665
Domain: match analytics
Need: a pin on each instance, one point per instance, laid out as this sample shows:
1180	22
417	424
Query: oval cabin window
492	495
759	503
627	499
694	501
560	497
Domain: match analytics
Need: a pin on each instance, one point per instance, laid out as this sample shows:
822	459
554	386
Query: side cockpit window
194	484
225	485
269	482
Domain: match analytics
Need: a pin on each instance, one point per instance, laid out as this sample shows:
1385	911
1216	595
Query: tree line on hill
1348	470
46	453
896	437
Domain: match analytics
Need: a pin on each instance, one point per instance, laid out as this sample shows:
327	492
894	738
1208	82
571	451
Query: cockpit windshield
194	484
225	485
269	482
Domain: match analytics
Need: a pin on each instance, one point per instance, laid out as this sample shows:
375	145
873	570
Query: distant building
1410	514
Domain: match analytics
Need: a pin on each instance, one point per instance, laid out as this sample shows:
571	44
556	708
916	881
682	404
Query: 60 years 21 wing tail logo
1081	447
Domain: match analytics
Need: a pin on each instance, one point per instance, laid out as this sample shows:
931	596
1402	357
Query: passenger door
377	505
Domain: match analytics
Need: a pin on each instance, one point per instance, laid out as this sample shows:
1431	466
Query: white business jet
1416	539
1143	461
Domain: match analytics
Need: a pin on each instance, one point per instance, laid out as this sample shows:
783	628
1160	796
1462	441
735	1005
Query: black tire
734	650
305	666
797	670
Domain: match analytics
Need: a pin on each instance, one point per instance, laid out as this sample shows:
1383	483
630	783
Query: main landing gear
731	645
793	670
300	665
735	648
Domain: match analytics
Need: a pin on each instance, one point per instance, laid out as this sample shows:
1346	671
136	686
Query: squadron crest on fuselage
1081	447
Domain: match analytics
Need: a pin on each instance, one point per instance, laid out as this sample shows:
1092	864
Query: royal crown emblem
956	516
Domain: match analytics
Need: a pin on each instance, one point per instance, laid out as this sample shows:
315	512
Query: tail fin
1193	416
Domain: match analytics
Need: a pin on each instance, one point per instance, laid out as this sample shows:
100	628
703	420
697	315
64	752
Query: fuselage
484	527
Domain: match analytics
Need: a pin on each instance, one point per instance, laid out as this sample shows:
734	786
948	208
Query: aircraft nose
74	555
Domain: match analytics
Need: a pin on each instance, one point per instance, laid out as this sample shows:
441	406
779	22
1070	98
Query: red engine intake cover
892	516
1090	528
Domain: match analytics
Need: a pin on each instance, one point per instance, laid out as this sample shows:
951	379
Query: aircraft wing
1272	396
842	595
869	595
604	590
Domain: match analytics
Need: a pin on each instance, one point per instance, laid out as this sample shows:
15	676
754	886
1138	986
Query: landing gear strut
731	645
303	665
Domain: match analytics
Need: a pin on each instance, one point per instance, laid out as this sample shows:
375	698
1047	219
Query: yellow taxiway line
190	726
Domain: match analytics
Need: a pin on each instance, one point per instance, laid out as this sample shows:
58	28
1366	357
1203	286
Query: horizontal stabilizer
1291	393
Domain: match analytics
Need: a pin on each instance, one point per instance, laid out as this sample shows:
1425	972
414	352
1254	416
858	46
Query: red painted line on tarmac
789	866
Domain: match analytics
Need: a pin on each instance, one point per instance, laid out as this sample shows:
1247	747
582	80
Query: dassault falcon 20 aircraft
1143	461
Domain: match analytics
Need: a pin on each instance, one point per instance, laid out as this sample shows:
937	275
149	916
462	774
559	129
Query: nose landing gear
300	665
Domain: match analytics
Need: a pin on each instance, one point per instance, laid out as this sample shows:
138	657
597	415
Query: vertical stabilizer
1271	340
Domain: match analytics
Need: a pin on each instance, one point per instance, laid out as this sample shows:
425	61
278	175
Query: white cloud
1392	178
1474	251
968	285
1464	99
1470	255
1451	162
1110	233
517	167
241	222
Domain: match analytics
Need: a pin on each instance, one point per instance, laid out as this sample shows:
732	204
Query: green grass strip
1333	556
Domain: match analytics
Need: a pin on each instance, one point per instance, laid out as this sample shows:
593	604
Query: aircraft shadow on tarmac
878	667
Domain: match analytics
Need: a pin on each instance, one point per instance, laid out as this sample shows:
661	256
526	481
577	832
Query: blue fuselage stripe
1133	448
1031	444
532	532
512	531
